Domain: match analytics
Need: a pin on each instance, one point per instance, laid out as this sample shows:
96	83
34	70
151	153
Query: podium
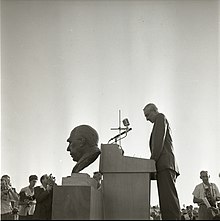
126	184
77	199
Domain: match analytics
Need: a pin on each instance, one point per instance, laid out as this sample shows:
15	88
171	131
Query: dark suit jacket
161	145
43	209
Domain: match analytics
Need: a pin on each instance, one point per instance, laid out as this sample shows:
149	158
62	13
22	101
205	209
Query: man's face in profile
149	115
75	146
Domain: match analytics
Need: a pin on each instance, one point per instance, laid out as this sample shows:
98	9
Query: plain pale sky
66	63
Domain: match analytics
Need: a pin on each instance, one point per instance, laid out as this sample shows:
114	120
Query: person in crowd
155	215
27	202
98	177
218	205
195	214
206	195
83	146
44	196
9	199
161	147
187	214
184	215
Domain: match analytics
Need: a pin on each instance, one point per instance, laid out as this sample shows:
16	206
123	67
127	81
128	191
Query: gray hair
151	106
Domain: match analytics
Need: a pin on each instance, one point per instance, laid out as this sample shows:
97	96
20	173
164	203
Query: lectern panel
126	196
126	184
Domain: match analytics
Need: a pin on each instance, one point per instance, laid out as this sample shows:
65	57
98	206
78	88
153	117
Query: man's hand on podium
153	176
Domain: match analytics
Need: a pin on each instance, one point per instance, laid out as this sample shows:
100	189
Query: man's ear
82	141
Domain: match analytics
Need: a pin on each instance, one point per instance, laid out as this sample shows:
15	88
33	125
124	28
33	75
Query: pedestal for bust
77	199
126	184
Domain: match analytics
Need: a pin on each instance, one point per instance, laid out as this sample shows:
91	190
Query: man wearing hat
27	202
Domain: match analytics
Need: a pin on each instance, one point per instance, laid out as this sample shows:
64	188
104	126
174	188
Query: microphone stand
119	136
119	129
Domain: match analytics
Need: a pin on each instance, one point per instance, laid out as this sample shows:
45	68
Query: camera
25	198
51	180
4	185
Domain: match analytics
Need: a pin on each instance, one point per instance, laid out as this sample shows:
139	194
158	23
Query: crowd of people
187	213
36	202
31	202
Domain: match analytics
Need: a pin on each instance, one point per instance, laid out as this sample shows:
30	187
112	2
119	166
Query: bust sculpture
83	146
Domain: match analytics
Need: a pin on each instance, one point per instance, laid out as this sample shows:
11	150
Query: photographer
206	195
9	198
44	195
27	201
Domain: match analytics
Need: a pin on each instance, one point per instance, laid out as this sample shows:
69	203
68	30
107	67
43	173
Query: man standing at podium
161	148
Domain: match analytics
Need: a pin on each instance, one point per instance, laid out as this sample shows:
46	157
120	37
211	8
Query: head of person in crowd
83	146
33	180
150	112
6	180
204	176
195	213
98	177
44	180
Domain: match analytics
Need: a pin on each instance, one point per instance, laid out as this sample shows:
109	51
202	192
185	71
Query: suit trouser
168	197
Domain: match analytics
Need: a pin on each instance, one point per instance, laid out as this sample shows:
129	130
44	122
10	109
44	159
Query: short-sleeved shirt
5	203
25	210
6	199
199	191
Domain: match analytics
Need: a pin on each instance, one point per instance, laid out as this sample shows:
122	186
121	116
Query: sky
67	63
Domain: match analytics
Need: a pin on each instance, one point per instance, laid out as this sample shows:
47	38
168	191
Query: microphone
115	137
126	122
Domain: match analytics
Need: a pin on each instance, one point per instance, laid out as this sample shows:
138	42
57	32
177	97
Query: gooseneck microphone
125	132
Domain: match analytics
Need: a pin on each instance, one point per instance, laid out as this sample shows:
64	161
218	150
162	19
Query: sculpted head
83	146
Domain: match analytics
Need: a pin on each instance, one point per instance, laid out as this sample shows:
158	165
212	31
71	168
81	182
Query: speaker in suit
161	148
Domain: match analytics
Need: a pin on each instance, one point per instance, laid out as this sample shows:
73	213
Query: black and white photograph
110	109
